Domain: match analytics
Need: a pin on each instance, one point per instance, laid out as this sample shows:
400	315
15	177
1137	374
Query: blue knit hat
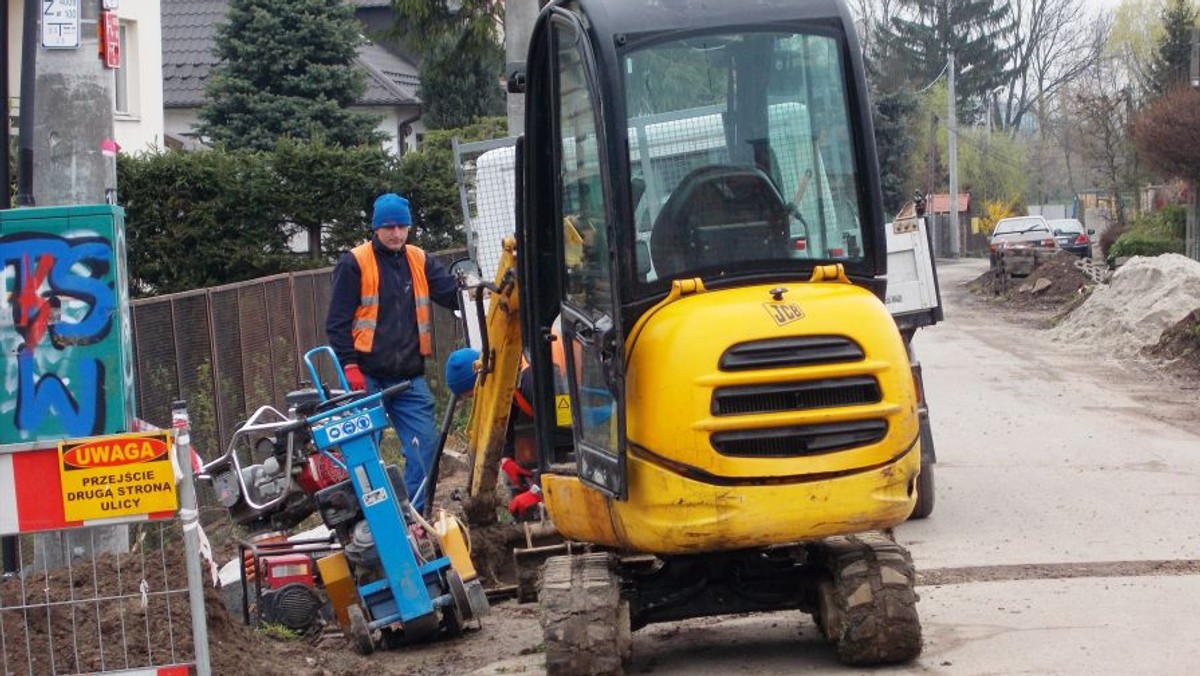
391	209
460	370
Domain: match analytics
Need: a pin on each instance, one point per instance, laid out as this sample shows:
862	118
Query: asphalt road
1066	535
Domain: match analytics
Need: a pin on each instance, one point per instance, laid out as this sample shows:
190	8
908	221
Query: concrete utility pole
73	117
952	151
73	106
519	16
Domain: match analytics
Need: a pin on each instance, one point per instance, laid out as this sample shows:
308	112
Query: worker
460	371
525	492
380	326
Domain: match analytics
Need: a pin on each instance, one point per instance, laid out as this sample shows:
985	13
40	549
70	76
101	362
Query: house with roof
137	82
188	33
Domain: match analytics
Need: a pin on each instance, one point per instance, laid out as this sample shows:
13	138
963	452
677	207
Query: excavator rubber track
867	601
585	620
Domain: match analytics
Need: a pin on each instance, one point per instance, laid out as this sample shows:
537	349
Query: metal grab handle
316	377
386	393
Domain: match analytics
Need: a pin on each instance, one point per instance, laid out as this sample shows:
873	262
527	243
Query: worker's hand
517	475
355	378
524	506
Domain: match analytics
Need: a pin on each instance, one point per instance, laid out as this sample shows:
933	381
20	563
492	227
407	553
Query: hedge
211	217
1135	243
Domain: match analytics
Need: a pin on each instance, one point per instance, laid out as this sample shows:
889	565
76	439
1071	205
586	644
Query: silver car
1022	231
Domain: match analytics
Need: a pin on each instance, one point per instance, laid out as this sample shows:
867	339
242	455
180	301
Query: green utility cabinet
65	323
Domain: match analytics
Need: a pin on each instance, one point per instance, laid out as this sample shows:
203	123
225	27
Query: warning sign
562	410
118	475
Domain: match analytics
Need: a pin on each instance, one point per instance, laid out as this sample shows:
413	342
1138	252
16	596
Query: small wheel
925	493
458	613
360	632
452	621
925	485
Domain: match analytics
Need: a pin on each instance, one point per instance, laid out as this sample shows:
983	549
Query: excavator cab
725	144
698	209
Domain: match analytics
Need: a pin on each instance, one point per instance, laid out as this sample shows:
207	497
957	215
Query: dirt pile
1180	344
1055	284
91	617
84	635
1146	297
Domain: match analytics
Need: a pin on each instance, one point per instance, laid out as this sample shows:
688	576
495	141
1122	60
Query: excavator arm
499	367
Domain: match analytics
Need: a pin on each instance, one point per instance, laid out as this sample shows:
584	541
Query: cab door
590	318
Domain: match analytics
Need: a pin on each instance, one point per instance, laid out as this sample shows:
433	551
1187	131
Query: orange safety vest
367	314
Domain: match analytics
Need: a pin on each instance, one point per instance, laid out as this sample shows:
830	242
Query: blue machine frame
409	590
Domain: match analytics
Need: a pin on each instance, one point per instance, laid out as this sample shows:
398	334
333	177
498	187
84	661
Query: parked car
1022	231
1072	237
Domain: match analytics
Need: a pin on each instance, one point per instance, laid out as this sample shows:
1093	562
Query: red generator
287	592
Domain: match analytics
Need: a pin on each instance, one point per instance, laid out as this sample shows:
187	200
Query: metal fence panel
230	401
281	332
258	378
193	347
157	376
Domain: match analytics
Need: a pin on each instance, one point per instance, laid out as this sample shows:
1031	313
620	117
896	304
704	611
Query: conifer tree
462	57
461	84
978	32
287	70
1172	58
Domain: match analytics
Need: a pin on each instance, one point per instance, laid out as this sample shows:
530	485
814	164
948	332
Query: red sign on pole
111	39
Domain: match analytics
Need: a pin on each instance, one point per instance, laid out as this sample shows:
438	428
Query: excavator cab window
741	144
589	304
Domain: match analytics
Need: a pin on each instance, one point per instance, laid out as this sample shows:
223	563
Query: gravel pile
1145	297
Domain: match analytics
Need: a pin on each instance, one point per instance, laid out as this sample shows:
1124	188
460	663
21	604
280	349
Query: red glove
524	505
517	475
355	378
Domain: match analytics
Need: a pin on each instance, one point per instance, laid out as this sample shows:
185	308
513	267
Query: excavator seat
718	215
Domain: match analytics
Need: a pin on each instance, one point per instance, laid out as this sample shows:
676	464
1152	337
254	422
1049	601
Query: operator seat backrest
742	201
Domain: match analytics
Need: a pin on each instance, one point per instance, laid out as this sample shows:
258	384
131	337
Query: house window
126	92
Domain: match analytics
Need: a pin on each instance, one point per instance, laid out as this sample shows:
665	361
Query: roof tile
189	27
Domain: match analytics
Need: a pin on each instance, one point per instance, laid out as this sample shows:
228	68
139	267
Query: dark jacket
395	353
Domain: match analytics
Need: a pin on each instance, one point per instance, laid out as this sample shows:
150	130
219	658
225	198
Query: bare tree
1135	38
1167	135
874	18
1102	106
1059	41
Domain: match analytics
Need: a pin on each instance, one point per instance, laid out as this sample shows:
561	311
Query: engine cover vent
796	396
800	441
788	352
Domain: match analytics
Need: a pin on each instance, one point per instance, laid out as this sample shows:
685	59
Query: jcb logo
784	313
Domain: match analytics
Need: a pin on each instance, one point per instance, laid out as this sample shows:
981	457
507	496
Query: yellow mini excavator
698	209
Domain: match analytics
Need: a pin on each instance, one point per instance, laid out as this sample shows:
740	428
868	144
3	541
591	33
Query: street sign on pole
60	24
111	39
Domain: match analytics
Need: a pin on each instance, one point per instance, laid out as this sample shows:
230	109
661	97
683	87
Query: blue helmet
460	370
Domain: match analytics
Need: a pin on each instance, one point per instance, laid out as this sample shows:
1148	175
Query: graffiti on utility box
62	326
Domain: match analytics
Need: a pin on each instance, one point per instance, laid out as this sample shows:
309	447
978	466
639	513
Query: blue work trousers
411	413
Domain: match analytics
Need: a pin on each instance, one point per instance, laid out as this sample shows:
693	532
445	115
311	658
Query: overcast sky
1102	4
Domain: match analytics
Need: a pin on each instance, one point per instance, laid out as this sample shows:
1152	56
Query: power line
922	90
1015	164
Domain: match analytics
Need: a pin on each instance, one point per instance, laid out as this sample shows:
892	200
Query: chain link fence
485	171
